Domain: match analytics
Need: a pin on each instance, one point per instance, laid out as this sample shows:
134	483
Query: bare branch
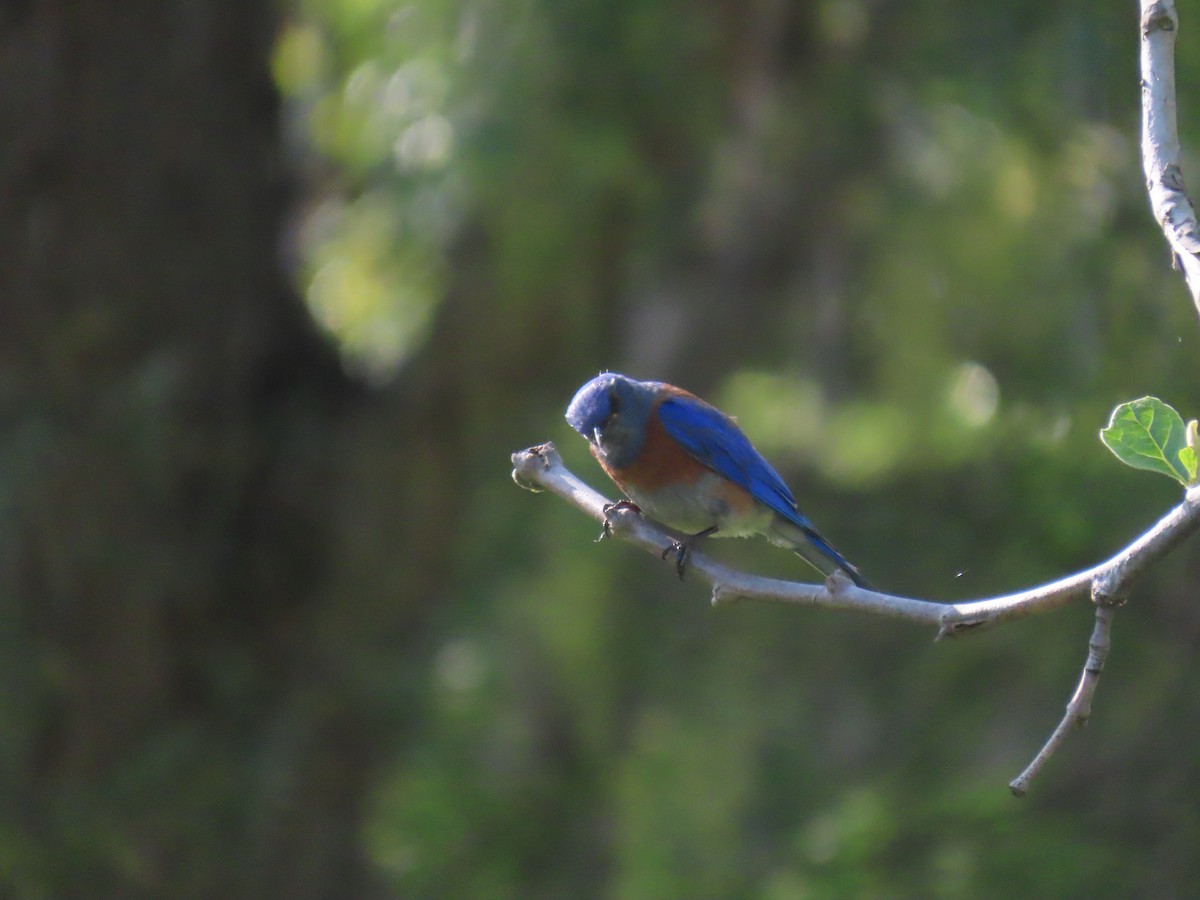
1079	707
1177	218
1160	140
541	468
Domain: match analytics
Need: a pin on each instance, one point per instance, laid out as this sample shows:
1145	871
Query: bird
688	465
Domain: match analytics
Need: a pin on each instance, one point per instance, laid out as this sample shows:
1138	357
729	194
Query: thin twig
1079	707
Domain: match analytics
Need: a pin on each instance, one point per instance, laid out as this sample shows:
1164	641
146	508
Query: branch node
837	582
724	596
1172	177
539	457
1158	18
1108	592
954	623
618	513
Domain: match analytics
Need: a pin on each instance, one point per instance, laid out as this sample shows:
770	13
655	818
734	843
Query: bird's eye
614	404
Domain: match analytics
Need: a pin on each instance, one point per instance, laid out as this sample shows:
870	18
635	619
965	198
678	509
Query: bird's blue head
611	412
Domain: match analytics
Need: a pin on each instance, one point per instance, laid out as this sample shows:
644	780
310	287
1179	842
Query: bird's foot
609	509
682	550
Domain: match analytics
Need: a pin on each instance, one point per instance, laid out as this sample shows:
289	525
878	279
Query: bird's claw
609	509
682	551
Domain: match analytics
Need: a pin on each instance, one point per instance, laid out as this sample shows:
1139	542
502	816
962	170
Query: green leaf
1187	456
1190	454
1149	434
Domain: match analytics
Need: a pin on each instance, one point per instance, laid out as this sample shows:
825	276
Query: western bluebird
686	464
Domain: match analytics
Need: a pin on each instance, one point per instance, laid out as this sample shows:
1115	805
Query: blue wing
712	439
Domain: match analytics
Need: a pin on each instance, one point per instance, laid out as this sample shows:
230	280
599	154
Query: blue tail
807	543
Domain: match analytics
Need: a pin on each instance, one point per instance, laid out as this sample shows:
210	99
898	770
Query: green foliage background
908	246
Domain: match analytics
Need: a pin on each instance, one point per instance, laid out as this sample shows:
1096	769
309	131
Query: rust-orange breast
661	463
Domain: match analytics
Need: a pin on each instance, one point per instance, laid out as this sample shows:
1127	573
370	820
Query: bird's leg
613	507
683	549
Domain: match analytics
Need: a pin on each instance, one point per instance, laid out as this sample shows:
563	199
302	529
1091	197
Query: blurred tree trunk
187	577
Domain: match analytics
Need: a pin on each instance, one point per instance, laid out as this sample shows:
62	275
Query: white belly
692	508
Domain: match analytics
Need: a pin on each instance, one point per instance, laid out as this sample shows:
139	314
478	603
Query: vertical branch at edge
1172	208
